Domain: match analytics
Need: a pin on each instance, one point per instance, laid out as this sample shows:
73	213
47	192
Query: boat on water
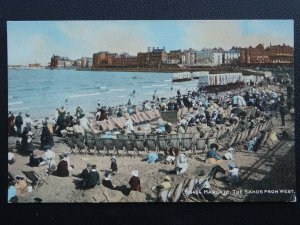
183	76
134	77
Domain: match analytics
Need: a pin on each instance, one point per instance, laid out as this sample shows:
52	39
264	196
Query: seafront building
274	54
158	58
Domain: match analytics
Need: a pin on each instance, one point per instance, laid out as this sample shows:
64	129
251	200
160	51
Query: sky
37	41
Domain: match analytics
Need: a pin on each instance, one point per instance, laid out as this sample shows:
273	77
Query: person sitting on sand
181	164
48	158
12	192
152	157
91	180
11	158
233	174
212	155
165	185
107	182
134	182
113	165
85	172
27	144
21	185
173	152
34	160
62	167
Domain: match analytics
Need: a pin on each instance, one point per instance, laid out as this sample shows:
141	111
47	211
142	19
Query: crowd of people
195	109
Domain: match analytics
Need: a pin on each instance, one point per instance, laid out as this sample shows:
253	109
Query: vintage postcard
151	111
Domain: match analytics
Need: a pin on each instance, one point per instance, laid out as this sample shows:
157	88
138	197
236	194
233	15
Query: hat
29	133
214	145
61	156
19	177
47	147
135	173
231	164
107	174
113	157
167	178
230	149
88	165
26	114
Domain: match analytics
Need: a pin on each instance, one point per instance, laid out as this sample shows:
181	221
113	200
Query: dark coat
114	166
18	120
62	169
34	161
46	137
108	184
92	180
135	183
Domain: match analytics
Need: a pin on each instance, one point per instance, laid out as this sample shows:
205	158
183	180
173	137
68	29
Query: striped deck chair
123	121
232	140
134	119
188	188
140	118
177	194
138	146
111	124
152	136
119	145
128	145
140	136
117	123
211	140
150	144
150	115
131	136
102	125
108	144
157	113
175	142
145	117
162	144
99	145
200	145
187	144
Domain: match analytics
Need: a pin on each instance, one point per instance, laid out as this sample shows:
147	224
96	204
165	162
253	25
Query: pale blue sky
36	41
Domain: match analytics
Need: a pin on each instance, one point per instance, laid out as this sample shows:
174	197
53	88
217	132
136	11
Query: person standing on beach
11	124
28	122
283	111
19	123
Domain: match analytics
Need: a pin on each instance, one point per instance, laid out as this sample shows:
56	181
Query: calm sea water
40	92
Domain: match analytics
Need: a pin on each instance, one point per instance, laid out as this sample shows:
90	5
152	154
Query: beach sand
254	168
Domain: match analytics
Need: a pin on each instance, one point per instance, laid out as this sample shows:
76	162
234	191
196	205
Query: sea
40	91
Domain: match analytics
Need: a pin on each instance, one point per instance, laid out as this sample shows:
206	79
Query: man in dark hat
19	123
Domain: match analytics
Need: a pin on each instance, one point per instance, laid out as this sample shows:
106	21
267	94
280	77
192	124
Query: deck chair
80	145
140	136
131	136
152	136
71	141
150	144
36	180
211	140
128	145
177	194
138	146
175	142
232	140
200	145
199	186
99	145
188	189
162	144
108	144
187	144
90	144
119	145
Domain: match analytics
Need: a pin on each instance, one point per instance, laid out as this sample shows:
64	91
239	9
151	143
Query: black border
219	213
